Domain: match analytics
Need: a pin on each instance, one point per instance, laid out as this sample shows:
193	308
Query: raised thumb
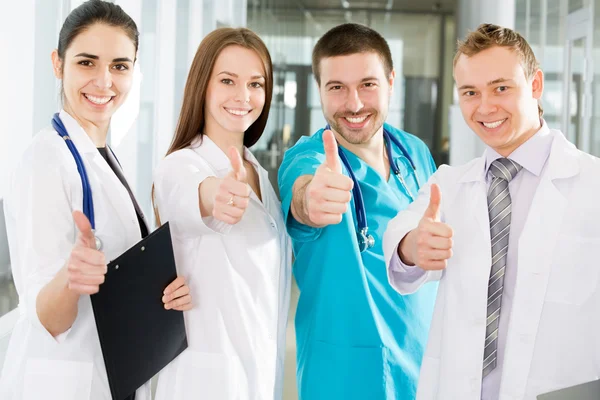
332	159
84	230
237	164
435	198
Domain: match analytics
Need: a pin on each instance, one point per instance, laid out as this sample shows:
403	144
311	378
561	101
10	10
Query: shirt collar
531	155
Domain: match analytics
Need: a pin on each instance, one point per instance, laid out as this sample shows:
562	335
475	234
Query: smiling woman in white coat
512	235
57	260
230	240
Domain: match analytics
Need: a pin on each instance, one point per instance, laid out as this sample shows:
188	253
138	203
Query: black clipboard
137	335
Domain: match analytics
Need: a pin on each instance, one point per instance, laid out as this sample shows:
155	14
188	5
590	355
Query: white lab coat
45	189
553	338
239	276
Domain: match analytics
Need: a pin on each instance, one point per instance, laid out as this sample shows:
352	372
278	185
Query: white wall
17	73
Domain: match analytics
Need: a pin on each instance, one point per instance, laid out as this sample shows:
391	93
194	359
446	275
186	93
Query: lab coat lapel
114	191
101	177
466	285
538	239
117	166
263	180
475	175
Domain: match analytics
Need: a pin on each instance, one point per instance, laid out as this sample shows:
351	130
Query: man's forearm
298	205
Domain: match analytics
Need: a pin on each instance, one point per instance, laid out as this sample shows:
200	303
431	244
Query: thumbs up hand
429	245
328	193
86	266
233	193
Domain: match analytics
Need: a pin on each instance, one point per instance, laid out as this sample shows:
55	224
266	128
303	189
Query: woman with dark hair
58	253
228	231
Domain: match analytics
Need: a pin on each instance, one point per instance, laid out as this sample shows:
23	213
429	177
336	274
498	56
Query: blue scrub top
356	337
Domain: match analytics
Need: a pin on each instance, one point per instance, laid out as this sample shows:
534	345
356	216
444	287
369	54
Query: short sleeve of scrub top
302	159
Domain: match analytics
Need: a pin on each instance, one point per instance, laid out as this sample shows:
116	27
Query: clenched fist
328	193
430	244
86	266
233	193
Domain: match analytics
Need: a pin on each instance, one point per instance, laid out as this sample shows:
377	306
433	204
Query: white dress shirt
532	156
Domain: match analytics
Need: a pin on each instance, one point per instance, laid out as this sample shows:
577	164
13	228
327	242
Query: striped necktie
499	205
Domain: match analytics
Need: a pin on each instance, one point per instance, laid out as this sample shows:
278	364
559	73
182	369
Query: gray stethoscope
88	203
365	239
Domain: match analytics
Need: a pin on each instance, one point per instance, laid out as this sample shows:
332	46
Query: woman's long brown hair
192	118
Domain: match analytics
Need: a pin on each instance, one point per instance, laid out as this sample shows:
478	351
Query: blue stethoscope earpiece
88	202
366	240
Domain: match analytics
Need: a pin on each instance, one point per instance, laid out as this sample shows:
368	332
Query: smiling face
96	73
355	95
235	96
497	100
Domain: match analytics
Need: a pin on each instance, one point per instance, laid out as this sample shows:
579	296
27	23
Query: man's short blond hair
489	35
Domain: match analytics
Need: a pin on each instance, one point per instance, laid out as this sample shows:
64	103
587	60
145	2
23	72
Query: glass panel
521	16
555	25
535	23
577	63
575	5
553	63
447	90
595	120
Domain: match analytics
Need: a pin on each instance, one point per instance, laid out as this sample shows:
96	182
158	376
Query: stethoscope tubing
361	214
88	202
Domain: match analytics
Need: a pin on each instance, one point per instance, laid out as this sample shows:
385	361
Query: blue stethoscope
88	203
365	239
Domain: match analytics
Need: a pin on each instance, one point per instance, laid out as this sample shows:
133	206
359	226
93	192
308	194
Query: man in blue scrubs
356	337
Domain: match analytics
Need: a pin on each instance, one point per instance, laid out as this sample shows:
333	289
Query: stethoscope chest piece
365	239
97	240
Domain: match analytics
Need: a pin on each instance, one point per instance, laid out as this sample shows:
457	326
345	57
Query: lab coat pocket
206	376
575	270
57	380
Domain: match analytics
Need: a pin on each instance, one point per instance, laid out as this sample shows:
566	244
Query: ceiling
410	6
306	17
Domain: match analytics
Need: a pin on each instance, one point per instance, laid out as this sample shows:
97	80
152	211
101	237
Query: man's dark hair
349	39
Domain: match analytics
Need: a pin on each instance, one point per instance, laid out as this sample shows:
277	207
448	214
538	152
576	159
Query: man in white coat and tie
514	241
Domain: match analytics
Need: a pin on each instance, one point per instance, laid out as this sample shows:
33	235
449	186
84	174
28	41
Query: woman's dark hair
93	12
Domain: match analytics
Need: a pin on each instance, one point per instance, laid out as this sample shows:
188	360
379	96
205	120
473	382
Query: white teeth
237	112
356	120
492	125
98	100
